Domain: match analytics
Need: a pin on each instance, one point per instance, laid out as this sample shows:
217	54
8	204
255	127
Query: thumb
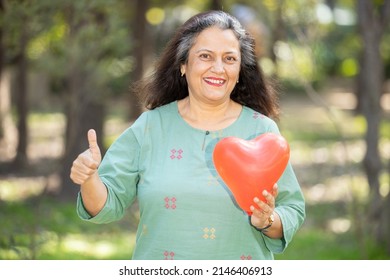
93	145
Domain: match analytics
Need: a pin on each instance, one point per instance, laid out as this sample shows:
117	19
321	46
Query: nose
218	66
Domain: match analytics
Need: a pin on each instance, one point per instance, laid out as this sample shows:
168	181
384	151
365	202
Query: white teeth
220	82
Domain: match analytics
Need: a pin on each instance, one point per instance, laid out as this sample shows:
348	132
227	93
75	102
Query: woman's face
213	66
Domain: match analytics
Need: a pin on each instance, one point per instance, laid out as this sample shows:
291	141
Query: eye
205	56
231	59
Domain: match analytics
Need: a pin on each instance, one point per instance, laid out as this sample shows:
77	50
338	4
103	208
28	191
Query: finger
93	145
275	190
92	138
256	212
81	169
270	199
87	160
263	207
79	180
77	176
84	170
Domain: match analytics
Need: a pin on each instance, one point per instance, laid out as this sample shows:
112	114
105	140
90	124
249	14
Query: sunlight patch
100	249
19	189
384	188
339	225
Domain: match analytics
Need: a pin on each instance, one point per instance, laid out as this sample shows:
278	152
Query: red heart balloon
250	166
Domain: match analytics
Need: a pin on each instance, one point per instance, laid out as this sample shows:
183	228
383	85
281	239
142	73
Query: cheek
192	70
234	74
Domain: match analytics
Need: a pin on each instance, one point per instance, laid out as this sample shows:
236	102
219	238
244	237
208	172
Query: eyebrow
207	50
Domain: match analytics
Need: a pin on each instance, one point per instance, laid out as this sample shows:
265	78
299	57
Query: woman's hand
261	215
86	164
84	172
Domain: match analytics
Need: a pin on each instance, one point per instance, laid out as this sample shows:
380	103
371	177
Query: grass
315	244
43	228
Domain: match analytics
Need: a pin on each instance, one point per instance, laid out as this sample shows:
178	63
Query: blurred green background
67	66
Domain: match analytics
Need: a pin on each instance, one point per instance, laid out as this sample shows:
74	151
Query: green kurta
186	212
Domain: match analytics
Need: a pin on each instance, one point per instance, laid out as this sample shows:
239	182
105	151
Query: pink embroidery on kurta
169	255
243	257
179	152
170	202
176	154
257	115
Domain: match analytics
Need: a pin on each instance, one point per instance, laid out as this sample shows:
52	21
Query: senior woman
206	86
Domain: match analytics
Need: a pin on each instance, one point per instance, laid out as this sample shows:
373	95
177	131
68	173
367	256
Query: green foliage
385	129
45	229
319	245
93	35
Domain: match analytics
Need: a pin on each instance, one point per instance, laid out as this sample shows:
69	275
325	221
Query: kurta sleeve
290	206
119	171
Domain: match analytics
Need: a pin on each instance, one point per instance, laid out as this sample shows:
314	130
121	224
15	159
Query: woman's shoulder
257	121
167	109
155	117
253	114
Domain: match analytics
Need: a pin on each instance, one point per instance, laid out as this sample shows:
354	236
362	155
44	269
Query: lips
215	81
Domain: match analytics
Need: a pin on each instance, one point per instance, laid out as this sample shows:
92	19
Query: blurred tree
93	57
21	96
21	35
84	104
2	50
84	49
16	39
278	32
138	25
373	19
216	5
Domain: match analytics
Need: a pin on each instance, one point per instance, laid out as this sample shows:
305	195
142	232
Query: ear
183	69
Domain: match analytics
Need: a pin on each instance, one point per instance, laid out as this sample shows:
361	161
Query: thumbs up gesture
87	163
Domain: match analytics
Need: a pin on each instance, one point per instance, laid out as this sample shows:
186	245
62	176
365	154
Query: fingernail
265	192
256	199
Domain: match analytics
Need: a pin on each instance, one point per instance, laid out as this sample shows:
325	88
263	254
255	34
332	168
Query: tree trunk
278	34
2	50
216	5
83	112
140	51
371	88
84	109
383	233
372	23
21	159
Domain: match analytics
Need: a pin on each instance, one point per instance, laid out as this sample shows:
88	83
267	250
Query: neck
209	116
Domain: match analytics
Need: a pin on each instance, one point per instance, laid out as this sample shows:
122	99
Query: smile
214	81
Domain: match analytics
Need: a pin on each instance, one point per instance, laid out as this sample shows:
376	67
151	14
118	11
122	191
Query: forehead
217	39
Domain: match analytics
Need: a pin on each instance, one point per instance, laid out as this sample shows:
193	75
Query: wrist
269	223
